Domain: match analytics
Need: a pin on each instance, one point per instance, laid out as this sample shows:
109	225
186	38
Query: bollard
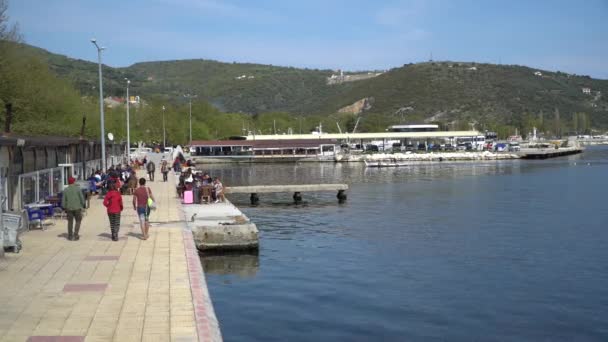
255	200
297	198
341	196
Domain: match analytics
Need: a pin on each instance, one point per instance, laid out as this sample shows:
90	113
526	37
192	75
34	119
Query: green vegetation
50	93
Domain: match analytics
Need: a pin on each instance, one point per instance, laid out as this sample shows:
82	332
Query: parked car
461	147
421	147
409	147
449	147
436	148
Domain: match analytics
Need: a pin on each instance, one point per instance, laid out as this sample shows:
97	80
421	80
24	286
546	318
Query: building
113	101
33	168
260	150
586	91
414	128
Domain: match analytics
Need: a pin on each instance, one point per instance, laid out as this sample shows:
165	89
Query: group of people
199	183
123	177
112	183
119	180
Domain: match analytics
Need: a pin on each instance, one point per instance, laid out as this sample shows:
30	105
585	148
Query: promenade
96	289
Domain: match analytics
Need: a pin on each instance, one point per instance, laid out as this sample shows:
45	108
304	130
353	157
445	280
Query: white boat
384	163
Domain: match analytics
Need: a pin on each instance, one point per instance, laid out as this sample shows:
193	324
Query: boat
384	163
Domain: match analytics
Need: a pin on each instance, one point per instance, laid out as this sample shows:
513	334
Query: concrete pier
297	190
96	289
220	227
544	153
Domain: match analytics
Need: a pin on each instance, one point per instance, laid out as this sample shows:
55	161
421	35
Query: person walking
113	201
151	168
73	203
140	204
164	169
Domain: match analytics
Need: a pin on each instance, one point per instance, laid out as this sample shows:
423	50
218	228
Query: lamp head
93	40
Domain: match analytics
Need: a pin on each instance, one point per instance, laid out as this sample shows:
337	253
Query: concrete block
226	237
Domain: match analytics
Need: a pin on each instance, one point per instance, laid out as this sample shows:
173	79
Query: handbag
151	203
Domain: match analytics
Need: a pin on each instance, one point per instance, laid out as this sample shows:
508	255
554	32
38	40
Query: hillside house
538	73
113	101
586	91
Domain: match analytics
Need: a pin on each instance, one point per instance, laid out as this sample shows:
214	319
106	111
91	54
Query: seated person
206	179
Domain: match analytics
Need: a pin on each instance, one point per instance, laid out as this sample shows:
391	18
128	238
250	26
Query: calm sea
490	251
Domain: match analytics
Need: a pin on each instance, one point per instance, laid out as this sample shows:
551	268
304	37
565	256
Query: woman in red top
113	201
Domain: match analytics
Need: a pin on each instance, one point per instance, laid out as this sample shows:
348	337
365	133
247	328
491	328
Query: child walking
113	201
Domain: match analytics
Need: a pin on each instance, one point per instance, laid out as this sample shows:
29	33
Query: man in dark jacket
73	203
151	168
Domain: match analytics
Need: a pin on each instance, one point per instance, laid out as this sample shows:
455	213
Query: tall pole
103	131
164	132
190	96
128	128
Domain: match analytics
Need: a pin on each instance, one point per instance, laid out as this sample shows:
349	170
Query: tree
7	32
557	123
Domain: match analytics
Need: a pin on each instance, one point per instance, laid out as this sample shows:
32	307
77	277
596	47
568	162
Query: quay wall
431	156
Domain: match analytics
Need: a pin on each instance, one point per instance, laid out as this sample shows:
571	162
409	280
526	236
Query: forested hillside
58	90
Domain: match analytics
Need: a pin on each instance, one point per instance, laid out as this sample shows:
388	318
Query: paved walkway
99	290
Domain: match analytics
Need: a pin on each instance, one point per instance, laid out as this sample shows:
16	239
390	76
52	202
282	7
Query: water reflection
242	264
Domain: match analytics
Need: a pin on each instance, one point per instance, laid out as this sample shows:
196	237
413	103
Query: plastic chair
206	193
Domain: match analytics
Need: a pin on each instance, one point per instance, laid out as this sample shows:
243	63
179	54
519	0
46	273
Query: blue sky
570	36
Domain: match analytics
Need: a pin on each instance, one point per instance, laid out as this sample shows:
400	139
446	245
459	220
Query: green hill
451	93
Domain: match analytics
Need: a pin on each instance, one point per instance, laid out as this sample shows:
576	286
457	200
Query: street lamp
128	122
103	133
189	97
164	132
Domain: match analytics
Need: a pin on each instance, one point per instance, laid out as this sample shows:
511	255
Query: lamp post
164	132
103	131
128	123
189	97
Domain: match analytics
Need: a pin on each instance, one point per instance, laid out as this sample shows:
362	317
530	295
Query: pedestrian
140	204
73	203
151	168
113	201
164	169
218	188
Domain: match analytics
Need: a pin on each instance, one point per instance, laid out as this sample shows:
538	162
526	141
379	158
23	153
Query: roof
415	126
375	135
221	143
13	139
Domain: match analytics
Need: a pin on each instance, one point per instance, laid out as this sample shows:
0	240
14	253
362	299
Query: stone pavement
96	289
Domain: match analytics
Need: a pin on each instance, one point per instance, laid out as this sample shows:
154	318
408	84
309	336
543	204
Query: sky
569	36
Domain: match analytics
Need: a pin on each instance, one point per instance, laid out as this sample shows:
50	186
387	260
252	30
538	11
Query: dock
544	153
297	190
97	289
220	227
